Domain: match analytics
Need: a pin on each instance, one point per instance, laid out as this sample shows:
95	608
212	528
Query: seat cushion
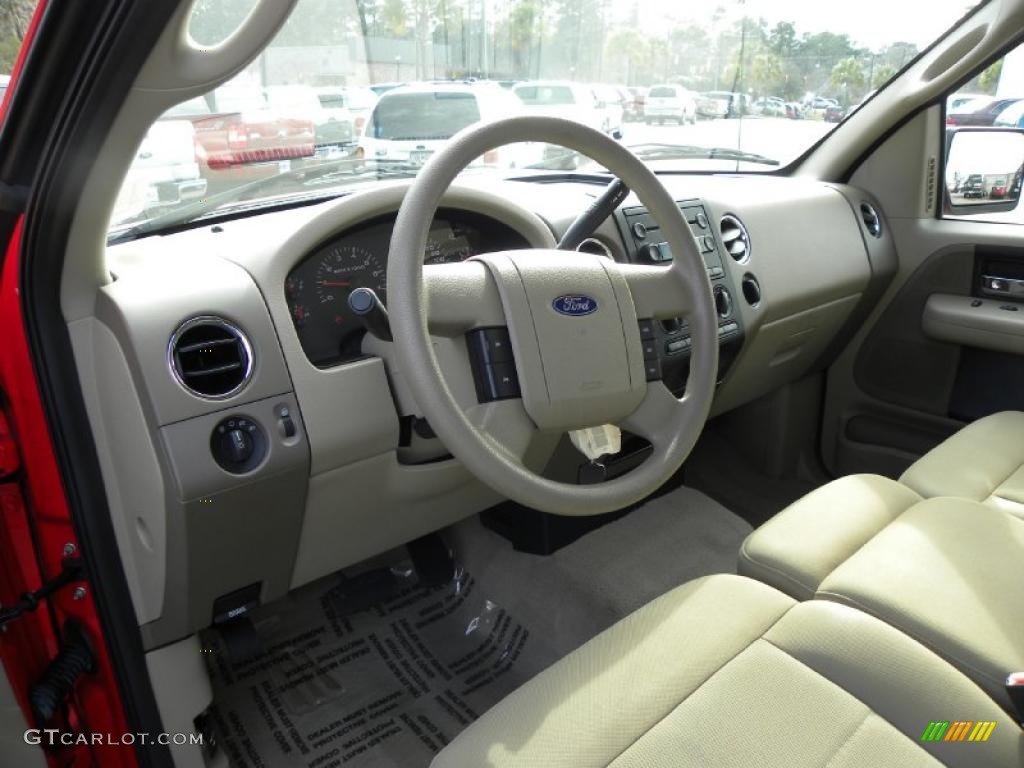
950	573
984	462
725	671
799	547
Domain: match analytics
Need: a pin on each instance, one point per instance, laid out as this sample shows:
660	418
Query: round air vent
735	238
210	357
871	219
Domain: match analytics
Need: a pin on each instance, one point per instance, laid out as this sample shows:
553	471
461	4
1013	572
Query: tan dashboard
295	456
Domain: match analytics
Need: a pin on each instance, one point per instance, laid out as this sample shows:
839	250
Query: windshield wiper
347	168
655	151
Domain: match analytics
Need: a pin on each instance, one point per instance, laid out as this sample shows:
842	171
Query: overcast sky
872	23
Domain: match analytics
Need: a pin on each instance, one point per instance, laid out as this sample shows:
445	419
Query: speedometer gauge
342	269
318	287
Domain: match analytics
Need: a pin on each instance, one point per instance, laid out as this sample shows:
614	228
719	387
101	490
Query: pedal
432	560
231	620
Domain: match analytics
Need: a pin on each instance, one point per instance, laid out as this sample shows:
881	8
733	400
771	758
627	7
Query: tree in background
395	19
881	75
523	29
988	80
767	75
847	78
15	16
628	52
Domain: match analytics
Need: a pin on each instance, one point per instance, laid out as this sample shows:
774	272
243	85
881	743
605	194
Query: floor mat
386	685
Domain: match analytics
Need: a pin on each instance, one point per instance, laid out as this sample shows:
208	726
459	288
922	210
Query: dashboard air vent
210	357
735	238
871	219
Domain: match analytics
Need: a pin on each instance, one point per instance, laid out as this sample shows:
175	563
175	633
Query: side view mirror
984	169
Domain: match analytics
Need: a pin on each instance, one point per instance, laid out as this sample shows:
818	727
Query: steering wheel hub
574	334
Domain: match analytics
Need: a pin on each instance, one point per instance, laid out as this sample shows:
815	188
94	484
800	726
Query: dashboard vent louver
871	219
735	238
210	357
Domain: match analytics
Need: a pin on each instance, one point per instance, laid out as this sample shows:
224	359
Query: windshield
350	92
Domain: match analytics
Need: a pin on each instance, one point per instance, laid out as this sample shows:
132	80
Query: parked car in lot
723	104
164	171
794	110
635	104
973	186
381	88
834	113
358	102
611	104
574	101
954	102
670	102
769	106
1012	116
410	123
235	127
331	127
978	112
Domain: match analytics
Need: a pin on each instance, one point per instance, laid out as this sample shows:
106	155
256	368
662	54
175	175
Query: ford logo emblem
574	305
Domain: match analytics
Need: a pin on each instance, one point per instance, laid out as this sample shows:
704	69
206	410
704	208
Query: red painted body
36	527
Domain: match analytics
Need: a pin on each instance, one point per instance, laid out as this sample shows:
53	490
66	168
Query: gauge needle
335	283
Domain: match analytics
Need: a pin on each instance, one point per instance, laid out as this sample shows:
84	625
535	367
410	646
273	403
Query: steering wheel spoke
658	408
660	292
460	297
506	423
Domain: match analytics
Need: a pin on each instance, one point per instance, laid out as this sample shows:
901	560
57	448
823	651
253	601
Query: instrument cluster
317	289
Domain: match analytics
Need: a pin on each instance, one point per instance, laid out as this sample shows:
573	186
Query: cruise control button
639	230
494	345
652	369
646	329
502	380
650	347
702	221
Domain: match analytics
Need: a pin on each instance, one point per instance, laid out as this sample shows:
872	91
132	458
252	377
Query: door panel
930	358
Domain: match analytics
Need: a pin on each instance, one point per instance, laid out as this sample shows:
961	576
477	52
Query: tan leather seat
725	671
984	462
946	571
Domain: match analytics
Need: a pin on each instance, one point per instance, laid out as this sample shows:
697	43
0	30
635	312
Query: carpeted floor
716	469
346	680
568	597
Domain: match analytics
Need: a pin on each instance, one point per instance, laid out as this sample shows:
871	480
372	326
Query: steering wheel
573	320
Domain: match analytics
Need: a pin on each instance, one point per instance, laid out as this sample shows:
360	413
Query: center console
667	343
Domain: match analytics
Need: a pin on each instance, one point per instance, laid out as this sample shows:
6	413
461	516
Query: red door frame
37	531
